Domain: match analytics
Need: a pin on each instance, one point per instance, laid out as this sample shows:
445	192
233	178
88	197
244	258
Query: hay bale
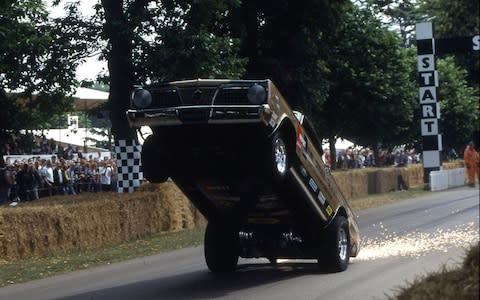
455	164
413	175
359	182
343	180
61	224
387	180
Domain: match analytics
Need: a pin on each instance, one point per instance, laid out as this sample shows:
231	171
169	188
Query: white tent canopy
83	99
340	144
86	99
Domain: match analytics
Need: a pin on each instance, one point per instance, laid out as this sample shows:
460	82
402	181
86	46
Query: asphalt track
401	241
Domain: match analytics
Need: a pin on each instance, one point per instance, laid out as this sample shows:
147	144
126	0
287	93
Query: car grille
228	94
232	96
166	97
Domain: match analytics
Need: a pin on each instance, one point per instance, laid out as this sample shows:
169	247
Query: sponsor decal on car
273	120
316	192
329	210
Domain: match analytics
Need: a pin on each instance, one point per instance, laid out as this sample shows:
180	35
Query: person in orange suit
471	159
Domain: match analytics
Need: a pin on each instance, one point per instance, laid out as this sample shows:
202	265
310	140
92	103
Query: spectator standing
79	153
401	160
58	179
114	178
13	194
70	173
68	154
60	151
350	159
471	159
370	158
96	187
327	159
5	184
24	183
106	177
37	180
361	158
341	160
48	180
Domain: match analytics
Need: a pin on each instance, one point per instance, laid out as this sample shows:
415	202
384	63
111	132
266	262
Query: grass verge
380	199
36	268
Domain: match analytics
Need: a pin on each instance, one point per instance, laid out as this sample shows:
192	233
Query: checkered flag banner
129	165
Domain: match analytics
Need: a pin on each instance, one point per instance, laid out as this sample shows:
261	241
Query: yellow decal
329	210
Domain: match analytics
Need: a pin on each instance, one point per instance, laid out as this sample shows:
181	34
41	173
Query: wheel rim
280	152
342	244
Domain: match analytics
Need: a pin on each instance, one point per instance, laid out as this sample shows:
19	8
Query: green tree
459	105
398	15
200	30
38	60
373	93
288	41
160	41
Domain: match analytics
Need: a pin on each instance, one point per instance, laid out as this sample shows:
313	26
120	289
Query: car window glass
309	129
299	116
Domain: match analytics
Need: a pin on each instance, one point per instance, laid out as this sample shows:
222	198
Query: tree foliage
199	29
160	41
459	105
373	96
38	60
288	41
345	64
399	15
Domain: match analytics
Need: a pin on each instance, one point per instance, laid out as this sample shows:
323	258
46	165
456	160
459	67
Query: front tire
335	256
221	248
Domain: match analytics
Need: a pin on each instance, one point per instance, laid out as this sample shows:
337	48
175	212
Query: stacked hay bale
362	182
61	224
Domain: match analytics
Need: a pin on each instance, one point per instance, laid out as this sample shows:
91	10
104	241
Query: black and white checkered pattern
428	99
129	165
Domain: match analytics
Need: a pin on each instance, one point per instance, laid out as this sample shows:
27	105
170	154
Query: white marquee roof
85	98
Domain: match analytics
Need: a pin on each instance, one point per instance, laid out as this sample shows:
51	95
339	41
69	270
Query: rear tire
335	255
221	248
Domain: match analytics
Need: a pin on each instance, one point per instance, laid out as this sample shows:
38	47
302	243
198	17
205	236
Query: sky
90	69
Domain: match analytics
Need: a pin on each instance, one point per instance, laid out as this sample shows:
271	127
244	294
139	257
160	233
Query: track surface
401	241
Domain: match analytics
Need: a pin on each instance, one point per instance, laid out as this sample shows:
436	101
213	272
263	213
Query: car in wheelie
253	168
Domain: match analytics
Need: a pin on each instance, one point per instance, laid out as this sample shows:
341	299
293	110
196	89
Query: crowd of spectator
31	179
351	158
69	172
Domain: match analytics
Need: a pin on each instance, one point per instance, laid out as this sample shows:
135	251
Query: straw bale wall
89	220
362	182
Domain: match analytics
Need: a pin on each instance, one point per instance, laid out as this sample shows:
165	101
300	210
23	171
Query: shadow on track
203	284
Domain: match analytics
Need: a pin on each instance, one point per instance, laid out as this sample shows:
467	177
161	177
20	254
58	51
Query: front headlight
141	98
256	94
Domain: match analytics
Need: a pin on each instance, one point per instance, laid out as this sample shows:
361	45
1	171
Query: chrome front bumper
198	114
